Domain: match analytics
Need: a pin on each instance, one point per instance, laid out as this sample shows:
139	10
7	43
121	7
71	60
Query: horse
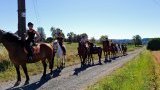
94	50
59	54
106	50
113	50
83	53
124	49
18	55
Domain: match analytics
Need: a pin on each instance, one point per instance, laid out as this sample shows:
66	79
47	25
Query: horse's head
1	35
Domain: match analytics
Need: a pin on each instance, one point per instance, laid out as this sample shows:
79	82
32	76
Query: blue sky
118	19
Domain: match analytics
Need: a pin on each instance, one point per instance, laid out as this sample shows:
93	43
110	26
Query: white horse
59	54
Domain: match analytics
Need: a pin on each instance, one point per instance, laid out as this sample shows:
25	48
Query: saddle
36	49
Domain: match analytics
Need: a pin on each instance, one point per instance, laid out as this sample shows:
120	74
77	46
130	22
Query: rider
60	40
31	40
107	42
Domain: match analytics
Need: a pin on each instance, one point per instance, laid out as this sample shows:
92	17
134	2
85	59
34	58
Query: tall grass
138	74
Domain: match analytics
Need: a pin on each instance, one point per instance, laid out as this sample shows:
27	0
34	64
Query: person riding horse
60	41
31	40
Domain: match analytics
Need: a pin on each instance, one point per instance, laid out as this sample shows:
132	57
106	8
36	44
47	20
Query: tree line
72	37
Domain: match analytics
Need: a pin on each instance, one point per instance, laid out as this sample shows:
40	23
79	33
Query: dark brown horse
94	50
106	50
83	53
124	49
18	54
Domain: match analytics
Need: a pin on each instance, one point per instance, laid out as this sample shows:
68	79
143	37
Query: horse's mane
12	38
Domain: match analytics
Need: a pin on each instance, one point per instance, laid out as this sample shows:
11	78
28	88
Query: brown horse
106	50
94	50
83	53
18	54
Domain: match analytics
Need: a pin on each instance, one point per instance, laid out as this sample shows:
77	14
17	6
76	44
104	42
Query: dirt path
73	77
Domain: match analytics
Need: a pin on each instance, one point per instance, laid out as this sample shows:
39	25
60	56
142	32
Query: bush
154	44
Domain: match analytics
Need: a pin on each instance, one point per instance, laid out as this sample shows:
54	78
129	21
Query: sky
119	19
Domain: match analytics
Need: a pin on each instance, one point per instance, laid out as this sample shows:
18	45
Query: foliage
71	37
42	33
137	40
102	38
55	31
49	40
93	40
154	44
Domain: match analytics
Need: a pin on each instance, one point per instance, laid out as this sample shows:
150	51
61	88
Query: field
7	70
142	73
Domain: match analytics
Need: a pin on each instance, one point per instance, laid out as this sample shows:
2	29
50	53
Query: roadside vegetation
142	73
7	70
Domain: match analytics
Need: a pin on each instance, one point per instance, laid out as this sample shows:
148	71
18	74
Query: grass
7	70
142	73
132	47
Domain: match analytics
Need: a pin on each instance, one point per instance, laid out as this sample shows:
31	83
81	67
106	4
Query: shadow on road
38	84
81	69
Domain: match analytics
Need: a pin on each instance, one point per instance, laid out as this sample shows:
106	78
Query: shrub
154	44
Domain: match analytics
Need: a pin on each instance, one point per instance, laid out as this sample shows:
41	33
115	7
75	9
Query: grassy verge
139	74
7	70
132	47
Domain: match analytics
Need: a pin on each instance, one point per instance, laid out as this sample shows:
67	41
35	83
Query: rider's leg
63	48
29	50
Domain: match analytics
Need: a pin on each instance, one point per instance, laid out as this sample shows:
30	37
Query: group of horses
44	51
111	51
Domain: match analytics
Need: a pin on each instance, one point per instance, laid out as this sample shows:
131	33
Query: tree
84	34
55	31
93	40
42	33
71	36
154	44
102	38
137	40
49	40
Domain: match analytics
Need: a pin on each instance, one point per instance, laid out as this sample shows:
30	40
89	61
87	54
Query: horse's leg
45	67
26	73
51	63
64	59
100	55
18	75
92	59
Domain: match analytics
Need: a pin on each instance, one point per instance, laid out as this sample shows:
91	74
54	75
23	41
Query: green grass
132	47
138	74
7	70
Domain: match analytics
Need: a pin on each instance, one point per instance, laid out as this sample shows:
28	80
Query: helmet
30	24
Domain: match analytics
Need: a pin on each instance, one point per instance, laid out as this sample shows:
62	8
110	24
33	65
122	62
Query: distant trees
93	40
75	37
154	44
55	31
137	40
71	37
102	38
42	33
49	40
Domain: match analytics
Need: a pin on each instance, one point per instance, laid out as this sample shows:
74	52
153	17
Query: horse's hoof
17	83
26	82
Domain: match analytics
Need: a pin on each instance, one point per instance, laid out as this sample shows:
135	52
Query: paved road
73	77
